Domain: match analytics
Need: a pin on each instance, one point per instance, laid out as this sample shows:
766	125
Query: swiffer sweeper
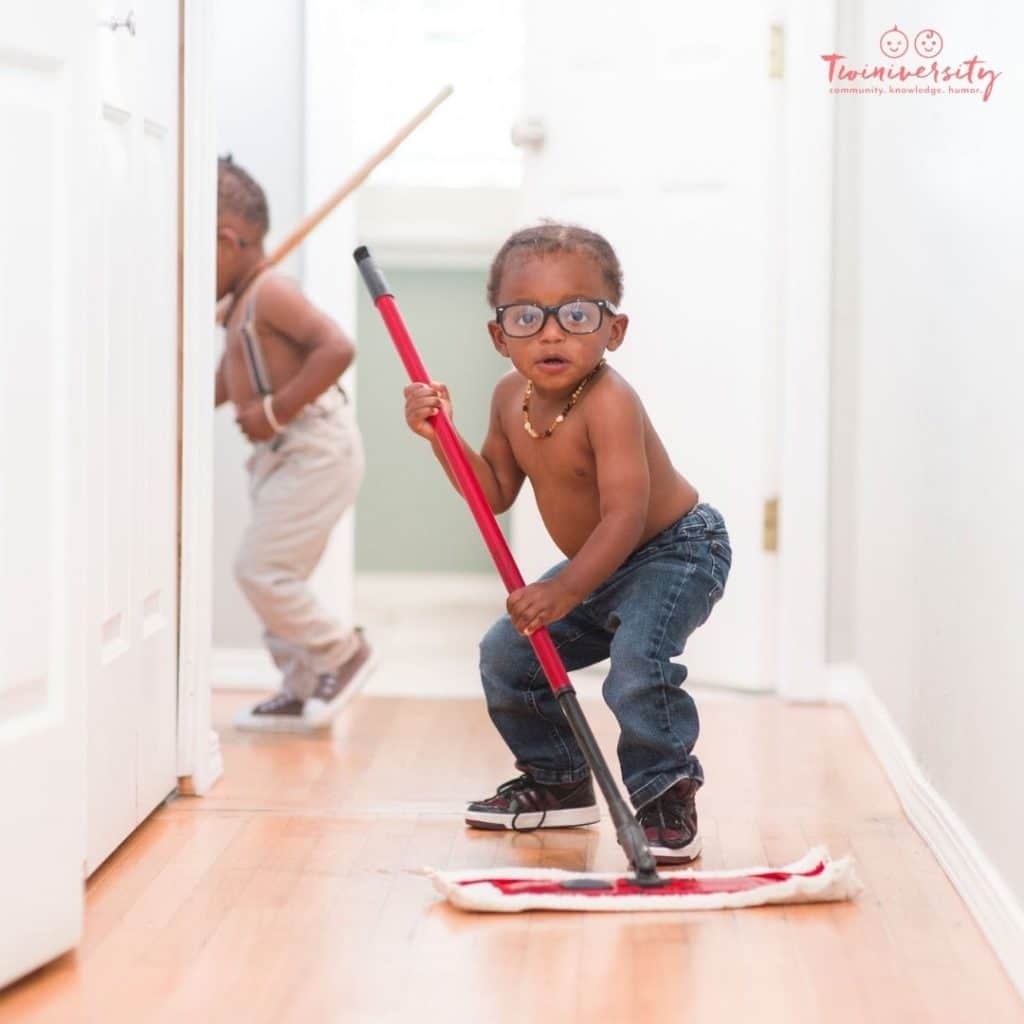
814	878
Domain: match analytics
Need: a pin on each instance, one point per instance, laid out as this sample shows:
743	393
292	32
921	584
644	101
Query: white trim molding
809	115
199	760
999	915
243	668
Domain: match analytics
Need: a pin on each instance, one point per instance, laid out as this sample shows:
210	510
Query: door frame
809	114
199	762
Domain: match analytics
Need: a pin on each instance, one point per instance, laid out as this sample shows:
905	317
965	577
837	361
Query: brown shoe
670	824
524	804
334	689
280	713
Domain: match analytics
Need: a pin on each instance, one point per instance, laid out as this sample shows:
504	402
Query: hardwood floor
291	894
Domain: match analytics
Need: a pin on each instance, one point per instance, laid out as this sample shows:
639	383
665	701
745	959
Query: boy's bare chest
276	357
564	459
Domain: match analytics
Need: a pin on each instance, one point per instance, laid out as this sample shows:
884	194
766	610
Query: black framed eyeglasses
577	316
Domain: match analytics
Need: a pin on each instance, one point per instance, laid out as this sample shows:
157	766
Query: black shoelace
665	815
514	787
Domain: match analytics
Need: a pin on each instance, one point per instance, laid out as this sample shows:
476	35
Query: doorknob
529	133
127	22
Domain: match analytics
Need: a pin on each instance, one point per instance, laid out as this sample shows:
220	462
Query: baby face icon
894	43
928	42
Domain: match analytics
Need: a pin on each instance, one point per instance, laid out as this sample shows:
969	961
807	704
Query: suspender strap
243	287
251	342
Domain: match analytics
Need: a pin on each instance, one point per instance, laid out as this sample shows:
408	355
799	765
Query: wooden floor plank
294	893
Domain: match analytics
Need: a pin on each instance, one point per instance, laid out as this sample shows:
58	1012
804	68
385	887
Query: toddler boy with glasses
646	561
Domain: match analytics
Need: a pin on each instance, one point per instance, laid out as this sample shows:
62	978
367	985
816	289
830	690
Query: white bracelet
268	411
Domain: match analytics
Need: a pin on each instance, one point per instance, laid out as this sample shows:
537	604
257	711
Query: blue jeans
640	617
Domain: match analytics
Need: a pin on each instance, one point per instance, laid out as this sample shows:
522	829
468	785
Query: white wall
927	594
258	105
262	80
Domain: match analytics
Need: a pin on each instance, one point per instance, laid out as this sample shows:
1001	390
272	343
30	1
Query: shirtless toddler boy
280	369
645	560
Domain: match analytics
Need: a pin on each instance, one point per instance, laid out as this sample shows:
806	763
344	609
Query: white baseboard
242	668
999	915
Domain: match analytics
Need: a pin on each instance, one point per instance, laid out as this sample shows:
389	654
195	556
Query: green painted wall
409	518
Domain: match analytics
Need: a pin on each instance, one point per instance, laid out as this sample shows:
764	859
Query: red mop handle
384	300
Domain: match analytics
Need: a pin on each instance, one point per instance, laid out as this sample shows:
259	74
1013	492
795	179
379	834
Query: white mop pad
812	879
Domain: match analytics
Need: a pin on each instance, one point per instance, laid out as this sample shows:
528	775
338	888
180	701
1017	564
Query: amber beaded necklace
573	398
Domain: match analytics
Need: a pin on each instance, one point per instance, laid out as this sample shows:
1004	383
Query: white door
45	51
659	127
133	423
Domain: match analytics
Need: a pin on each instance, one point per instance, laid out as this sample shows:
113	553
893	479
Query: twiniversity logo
917	73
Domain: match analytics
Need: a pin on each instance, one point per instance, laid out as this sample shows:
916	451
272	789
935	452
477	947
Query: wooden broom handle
354	180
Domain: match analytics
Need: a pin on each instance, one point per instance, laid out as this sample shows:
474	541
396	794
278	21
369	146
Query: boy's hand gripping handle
384	300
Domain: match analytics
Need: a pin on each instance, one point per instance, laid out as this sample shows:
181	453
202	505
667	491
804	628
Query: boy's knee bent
503	654
632	676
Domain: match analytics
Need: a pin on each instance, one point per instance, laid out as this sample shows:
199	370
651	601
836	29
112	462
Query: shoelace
514	787
653	815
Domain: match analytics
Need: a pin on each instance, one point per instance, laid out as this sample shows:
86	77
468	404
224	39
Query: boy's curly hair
551	237
239	193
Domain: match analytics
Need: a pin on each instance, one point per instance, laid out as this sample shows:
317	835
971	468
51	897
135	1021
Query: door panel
44	81
134	426
112	705
661	139
157	513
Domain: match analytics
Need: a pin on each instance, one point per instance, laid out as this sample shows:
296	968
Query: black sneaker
525	804
670	824
280	713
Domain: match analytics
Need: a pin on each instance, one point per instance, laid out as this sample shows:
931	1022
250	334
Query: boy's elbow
506	492
631	517
344	353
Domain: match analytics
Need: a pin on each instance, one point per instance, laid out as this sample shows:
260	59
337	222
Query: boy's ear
497	338
618	332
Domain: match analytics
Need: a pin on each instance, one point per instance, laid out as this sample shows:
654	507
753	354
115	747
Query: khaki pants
299	492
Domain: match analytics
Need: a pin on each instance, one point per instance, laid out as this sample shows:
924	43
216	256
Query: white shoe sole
682	855
317	713
572	817
272	723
